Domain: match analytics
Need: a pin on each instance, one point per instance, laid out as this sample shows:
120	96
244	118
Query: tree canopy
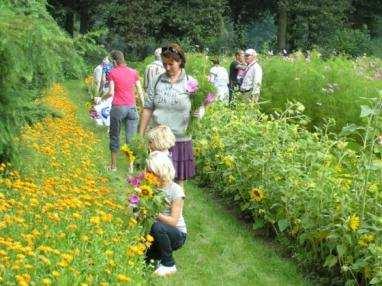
138	26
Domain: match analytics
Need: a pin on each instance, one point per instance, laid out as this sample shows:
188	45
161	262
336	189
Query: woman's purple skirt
183	160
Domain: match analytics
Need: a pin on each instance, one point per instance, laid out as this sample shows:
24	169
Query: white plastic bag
103	112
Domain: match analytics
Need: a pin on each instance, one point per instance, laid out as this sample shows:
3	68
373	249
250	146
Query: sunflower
354	222
128	153
88	80
146	190
366	239
257	194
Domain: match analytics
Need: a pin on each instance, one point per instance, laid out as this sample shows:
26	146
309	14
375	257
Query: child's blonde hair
161	138
161	165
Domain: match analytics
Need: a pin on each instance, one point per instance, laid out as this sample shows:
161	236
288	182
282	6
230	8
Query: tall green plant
34	53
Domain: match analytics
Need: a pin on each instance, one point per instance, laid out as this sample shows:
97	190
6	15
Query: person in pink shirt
123	82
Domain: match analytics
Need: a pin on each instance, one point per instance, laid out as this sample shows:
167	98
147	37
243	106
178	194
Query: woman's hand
199	113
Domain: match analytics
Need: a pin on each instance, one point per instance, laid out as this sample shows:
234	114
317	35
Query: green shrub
332	88
318	197
88	48
34	53
349	41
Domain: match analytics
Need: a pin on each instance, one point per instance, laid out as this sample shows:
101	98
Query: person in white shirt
97	75
219	78
251	84
154	69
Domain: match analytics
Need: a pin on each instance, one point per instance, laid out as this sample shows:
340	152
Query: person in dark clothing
236	73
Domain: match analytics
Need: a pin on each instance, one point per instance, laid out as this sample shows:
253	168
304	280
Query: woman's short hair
239	52
161	138
174	51
117	56
161	165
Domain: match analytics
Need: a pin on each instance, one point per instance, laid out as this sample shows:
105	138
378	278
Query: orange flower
153	179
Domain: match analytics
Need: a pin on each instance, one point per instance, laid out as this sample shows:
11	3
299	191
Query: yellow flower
123	278
146	190
95	220
46	282
88	80
229	161
354	222
56	274
366	239
149	238
257	194
128	153
132	222
23	280
153	179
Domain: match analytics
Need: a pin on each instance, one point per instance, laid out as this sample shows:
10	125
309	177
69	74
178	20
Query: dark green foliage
34	53
262	34
88	48
349	41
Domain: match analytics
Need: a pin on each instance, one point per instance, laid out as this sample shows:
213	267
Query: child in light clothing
169	230
161	139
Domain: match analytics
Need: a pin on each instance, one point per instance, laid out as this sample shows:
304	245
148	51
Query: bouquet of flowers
201	96
145	199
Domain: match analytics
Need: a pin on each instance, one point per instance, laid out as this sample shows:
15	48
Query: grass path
219	249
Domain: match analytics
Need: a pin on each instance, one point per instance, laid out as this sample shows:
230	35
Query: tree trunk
282	26
84	22
69	22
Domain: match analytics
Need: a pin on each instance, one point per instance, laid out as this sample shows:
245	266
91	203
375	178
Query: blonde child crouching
169	230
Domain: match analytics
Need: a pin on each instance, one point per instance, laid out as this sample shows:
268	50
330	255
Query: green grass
220	250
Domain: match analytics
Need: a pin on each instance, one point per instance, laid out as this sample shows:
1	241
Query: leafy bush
318	197
34	52
332	88
349	41
88	48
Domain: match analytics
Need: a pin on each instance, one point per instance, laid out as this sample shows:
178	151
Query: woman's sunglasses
170	49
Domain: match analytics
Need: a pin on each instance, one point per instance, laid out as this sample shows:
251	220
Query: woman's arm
145	119
176	212
139	90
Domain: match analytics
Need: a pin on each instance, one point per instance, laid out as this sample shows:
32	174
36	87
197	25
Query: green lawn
219	250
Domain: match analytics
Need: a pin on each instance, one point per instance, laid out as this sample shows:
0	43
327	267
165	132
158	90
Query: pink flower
134	181
209	98
192	86
134	200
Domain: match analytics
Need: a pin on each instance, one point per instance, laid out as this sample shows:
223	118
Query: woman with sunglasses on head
169	104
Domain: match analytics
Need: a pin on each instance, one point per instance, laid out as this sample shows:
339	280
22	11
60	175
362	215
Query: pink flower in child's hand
192	86
209	98
134	200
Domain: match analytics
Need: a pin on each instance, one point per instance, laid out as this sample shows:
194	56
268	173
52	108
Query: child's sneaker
165	270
